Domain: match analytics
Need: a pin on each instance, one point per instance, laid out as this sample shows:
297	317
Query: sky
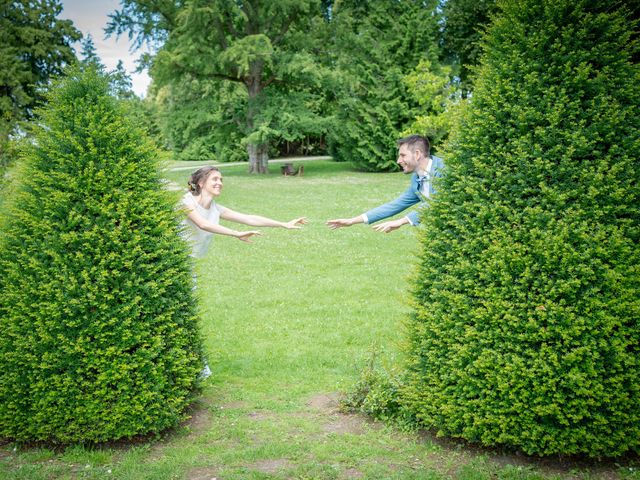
91	16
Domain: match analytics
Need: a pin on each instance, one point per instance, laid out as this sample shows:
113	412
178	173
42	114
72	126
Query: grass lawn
289	321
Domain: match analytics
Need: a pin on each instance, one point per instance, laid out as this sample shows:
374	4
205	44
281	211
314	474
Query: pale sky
90	16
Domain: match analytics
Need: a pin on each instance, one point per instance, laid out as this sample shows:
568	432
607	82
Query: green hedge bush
527	297
99	337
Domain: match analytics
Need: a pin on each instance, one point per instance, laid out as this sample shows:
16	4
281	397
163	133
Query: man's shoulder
437	165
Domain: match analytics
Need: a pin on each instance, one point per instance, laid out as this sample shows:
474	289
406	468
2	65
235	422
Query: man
413	157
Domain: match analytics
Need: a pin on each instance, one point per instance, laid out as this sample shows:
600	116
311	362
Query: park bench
289	170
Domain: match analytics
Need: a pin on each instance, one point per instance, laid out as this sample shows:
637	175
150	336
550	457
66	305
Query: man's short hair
416	141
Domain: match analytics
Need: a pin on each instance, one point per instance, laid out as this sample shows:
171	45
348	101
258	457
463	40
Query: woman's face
213	183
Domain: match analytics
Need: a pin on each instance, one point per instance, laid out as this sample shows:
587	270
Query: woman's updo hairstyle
198	177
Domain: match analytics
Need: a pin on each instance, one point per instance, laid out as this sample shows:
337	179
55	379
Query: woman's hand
246	236
296	223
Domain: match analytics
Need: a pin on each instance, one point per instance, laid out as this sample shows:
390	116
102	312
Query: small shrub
375	393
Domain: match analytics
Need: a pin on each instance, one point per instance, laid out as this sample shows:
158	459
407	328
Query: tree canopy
34	47
464	24
374	46
262	47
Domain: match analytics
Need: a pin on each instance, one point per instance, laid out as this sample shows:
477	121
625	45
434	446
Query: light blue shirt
419	191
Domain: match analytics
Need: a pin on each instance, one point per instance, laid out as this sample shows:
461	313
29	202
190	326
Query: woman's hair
198	177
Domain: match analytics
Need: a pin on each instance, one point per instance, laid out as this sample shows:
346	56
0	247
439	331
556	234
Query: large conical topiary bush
98	333
526	328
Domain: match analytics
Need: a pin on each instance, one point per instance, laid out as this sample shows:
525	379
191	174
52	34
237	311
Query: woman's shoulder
188	200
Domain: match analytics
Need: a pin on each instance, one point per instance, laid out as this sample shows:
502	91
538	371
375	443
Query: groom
413	157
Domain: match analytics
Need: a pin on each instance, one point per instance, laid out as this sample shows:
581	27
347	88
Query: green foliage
439	99
376	393
464	24
121	85
34	47
144	21
144	112
200	119
527	297
260	77
89	54
261	47
277	351
98	331
374	46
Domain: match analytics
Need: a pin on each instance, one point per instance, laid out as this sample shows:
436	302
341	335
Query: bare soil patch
199	420
352	473
205	473
346	424
234	405
4	448
338	422
258	416
270	466
327	402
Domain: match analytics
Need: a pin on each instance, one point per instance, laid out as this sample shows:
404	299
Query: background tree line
253	80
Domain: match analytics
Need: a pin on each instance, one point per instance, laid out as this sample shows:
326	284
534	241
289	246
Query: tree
374	46
441	102
260	46
121	85
98	330
34	47
90	54
145	21
525	330
203	119
464	24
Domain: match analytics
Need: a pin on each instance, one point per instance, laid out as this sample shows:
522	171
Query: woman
204	214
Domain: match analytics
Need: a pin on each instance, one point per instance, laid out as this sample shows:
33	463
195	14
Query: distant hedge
98	331
527	299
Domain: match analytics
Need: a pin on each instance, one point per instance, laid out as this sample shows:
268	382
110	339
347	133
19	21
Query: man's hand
338	223
390	226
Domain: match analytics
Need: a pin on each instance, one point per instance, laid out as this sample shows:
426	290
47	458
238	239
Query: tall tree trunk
258	157
258	152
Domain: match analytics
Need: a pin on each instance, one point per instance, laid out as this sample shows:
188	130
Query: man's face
407	159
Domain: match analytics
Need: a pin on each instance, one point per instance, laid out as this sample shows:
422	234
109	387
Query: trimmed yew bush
98	331
527	298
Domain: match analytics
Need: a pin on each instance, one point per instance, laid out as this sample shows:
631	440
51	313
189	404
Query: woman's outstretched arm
204	224
259	221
